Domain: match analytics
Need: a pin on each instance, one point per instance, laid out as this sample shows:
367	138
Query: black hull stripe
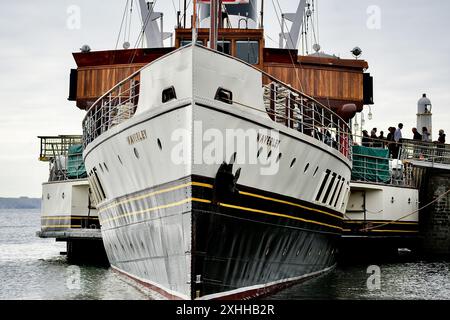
246	202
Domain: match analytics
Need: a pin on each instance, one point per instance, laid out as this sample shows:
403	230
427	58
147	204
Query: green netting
75	163
370	164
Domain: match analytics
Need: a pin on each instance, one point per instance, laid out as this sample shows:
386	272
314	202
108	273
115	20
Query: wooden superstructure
333	81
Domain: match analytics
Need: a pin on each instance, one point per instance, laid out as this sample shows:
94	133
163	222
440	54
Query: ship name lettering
268	140
137	137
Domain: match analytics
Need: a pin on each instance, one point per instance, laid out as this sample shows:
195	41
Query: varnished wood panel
321	83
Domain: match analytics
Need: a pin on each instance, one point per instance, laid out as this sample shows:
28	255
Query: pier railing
426	152
284	105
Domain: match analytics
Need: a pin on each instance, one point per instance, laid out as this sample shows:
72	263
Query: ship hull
171	217
248	247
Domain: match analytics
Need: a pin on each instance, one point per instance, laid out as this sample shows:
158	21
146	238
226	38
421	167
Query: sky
406	43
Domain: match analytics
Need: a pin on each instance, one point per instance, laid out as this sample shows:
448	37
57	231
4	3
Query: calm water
32	268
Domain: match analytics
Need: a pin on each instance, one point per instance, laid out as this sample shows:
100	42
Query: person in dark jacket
390	141
442	136
366	141
417	135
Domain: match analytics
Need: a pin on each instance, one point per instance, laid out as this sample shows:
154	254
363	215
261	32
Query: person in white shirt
397	139
425	135
398	133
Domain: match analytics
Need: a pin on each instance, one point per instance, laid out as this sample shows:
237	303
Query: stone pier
435	219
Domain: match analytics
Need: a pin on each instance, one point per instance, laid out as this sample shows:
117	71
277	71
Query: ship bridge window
169	94
184	43
223	46
248	51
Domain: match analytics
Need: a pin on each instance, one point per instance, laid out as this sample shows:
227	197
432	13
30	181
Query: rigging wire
284	36
141	34
121	24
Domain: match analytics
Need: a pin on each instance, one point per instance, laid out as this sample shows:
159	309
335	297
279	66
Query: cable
121	24
284	36
418	210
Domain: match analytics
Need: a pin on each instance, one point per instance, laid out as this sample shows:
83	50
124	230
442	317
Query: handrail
283	104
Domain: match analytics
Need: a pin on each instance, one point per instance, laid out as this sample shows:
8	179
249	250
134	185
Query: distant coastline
20	203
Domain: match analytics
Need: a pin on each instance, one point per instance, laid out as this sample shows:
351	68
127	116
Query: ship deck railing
55	151
283	104
382	171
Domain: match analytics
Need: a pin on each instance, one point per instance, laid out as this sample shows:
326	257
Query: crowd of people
394	138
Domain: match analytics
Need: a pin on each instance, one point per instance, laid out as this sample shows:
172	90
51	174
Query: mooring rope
418	210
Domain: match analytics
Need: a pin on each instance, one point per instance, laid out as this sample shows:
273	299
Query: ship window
330	186
184	43
306	168
169	94
224	95
136	153
248	51
315	171
322	186
159	144
335	191
293	162
279	157
223	46
339	193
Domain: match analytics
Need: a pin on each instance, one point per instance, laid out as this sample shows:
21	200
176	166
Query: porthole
63	195
136	153
48	196
159	145
315	171
306	168
101	167
120	160
269	154
106	167
279	157
293	162
233	158
259	152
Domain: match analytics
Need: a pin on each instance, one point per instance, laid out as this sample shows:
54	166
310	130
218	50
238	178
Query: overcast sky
408	55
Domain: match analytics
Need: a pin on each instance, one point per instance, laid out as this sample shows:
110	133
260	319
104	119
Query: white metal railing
115	107
284	105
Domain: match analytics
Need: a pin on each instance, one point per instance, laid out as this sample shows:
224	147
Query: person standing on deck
397	138
425	135
390	141
417	135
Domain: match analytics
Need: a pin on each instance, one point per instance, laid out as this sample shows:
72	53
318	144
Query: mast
213	30
194	23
